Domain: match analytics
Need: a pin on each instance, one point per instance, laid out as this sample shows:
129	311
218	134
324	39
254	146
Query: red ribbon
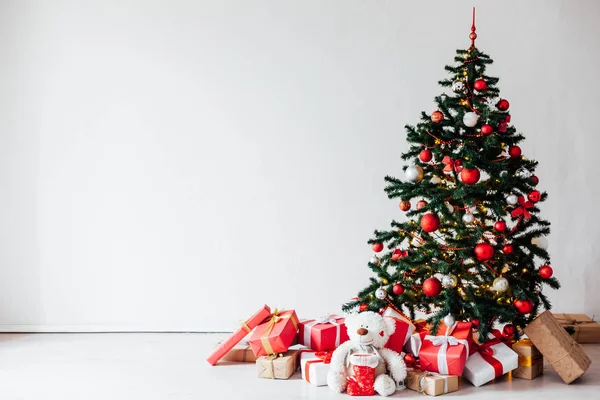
487	353
452	164
522	209
325	356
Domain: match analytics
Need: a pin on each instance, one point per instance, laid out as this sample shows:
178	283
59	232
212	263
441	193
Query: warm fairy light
384	281
524	269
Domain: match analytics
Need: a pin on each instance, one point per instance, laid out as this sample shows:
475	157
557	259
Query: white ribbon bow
327	319
443	342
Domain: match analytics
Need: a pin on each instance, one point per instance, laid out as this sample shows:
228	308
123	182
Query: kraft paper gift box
413	345
586	330
276	334
238	335
531	361
404	329
322	334
447	352
431	383
277	366
241	352
561	351
491	360
314	366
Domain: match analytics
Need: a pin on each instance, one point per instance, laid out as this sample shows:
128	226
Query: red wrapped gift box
447	352
403	332
276	334
238	335
323	334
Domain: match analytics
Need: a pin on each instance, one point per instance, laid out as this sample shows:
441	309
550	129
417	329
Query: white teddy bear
368	332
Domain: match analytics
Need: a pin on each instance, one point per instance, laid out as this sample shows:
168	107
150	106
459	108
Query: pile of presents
279	343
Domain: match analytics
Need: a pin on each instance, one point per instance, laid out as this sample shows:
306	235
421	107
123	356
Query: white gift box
491	361
314	366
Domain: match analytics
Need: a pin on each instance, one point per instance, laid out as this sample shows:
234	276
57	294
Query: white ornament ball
512	199
500	284
470	119
414	173
449	320
458	86
449	281
374	260
381	293
450	208
436	180
468	218
540	242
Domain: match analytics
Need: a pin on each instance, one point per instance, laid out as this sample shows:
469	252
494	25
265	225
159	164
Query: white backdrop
172	165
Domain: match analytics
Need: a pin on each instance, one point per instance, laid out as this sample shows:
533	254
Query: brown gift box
240	353
561	351
586	329
433	385
275	366
531	362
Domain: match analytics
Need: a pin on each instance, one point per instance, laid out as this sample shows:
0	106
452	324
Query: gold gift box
531	361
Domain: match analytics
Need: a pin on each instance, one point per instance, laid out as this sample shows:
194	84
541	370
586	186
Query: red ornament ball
398	254
430	222
432	287
534	196
514	151
503	105
534	179
425	155
421	204
470	176
377	247
507	249
363	307
484	251
480	85
509	330
437	116
523	306
486	129
500	226
546	271
404	205
398	289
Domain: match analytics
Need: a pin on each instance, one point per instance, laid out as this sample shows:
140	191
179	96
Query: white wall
173	165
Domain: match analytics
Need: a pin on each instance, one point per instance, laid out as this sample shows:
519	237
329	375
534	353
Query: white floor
172	366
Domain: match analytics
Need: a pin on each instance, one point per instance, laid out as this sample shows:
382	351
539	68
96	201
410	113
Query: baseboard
98	329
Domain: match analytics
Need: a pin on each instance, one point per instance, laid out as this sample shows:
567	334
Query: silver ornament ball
436	180
414	173
374	260
500	284
468	218
512	199
540	242
449	281
381	293
449	320
470	119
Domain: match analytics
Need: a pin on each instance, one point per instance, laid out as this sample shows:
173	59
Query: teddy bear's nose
362	331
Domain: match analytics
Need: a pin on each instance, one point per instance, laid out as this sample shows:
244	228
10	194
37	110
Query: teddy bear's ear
350	320
390	325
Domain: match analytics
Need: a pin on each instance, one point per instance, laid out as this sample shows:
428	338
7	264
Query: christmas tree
473	247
